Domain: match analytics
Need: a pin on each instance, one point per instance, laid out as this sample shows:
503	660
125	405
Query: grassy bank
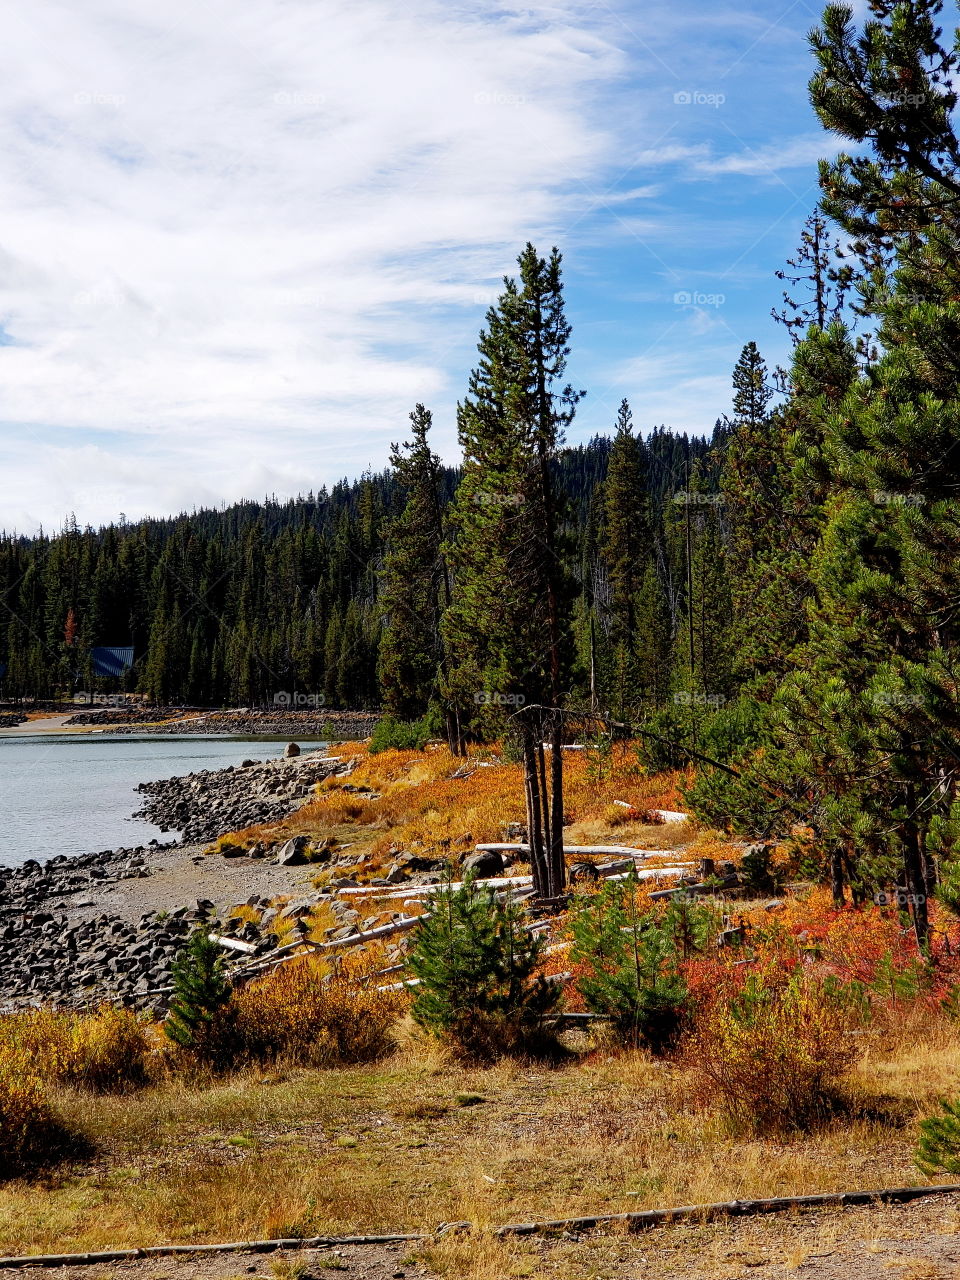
418	1139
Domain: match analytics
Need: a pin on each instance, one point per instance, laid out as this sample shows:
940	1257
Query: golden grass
387	1147
414	802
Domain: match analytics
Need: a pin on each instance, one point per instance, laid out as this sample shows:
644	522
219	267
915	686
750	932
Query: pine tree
414	583
938	1150
508	627
200	991
866	731
631	972
627	548
477	968
818	268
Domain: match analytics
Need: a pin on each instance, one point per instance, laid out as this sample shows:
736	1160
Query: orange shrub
773	1057
310	1016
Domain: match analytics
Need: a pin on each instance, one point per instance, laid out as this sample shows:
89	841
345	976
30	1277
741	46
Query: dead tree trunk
915	881
534	798
557	867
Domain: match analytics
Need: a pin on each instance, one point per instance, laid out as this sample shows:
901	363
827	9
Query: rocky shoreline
205	805
318	724
108	925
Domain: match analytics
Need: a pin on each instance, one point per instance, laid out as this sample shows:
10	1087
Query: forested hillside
237	605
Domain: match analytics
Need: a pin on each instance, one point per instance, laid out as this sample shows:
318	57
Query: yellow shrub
106	1051
774	1059
109	1051
306	1015
28	1123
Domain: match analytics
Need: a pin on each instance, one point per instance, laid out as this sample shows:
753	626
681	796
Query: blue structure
111	662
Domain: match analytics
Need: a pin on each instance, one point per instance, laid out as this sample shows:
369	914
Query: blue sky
239	240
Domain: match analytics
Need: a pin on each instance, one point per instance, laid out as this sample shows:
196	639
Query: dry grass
413	802
388	1147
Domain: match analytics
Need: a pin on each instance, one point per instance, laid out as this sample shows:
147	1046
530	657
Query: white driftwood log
232	944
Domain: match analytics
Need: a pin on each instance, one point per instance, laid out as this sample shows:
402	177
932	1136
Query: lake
75	794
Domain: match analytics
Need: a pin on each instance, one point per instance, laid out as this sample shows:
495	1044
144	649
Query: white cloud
770	159
664	388
234	236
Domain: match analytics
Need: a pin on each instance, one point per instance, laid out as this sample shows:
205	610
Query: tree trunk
915	881
454	738
836	875
558	871
531	779
544	794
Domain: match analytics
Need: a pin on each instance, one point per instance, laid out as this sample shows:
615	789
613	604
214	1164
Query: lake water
75	794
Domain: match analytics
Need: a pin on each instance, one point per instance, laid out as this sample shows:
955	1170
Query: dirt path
916	1241
372	1262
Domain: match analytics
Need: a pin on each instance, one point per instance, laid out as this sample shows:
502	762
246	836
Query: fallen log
644	1218
635	1221
378	891
232	944
579	850
275	958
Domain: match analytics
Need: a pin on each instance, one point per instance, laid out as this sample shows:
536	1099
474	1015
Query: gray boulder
293	853
484	864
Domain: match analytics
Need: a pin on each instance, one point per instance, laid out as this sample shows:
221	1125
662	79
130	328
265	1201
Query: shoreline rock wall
206	805
284	723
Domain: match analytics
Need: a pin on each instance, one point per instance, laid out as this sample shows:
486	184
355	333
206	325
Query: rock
301	907
293	853
290	751
414	862
485	864
582	871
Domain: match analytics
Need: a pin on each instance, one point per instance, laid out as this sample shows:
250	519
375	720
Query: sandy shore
50	724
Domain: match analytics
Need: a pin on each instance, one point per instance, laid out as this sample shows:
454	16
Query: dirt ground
917	1241
372	1262
179	876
